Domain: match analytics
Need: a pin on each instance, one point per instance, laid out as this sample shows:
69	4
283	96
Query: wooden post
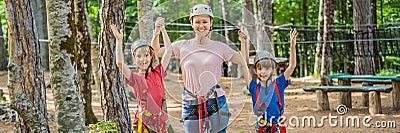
365	95
375	103
396	94
322	100
345	97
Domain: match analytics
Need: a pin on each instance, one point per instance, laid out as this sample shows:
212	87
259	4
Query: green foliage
93	7
390	60
3	22
103	126
388	72
290	11
390	11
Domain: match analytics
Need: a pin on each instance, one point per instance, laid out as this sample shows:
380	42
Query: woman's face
201	24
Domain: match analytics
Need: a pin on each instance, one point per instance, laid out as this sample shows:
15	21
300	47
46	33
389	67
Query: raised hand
243	34
293	36
159	25
117	34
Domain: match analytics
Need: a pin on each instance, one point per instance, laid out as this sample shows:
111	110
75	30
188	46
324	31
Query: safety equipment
266	127
139	43
200	9
263	55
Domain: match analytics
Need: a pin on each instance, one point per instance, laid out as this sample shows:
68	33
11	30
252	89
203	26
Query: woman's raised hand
243	34
117	34
159	25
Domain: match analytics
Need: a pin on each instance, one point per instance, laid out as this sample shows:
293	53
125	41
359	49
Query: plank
386	89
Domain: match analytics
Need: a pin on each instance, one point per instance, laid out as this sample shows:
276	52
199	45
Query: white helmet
201	9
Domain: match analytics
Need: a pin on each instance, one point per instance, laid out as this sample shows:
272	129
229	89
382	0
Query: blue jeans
218	119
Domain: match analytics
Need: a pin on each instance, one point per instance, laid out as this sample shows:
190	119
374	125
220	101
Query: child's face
264	70
142	58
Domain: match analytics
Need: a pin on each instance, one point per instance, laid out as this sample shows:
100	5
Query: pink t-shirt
201	65
153	84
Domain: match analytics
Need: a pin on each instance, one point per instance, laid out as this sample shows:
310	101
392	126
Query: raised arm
292	59
244	52
159	26
244	43
168	52
119	52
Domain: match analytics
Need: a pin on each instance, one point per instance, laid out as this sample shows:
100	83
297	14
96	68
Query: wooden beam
365	95
345	97
322	100
385	89
396	94
375	106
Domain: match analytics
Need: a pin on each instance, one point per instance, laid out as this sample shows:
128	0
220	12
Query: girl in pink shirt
147	84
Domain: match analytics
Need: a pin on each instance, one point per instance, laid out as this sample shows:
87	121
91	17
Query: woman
201	63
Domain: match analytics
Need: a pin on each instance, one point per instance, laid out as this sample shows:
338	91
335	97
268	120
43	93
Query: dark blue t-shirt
270	98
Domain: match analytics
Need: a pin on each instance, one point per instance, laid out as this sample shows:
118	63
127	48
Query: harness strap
262	123
260	111
279	97
203	100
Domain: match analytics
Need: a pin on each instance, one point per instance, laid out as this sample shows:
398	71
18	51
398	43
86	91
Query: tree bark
145	17
264	34
62	35
364	60
304	58
83	63
329	9
3	51
374	22
39	7
209	3
250	23
113	99
319	37
26	82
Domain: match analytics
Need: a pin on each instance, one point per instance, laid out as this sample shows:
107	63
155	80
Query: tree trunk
319	37
248	18
3	51
364	61
209	3
329	9
233	68
83	64
304	58
39	7
26	82
62	36
113	98
94	51
145	17
374	22
250	23
264	34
